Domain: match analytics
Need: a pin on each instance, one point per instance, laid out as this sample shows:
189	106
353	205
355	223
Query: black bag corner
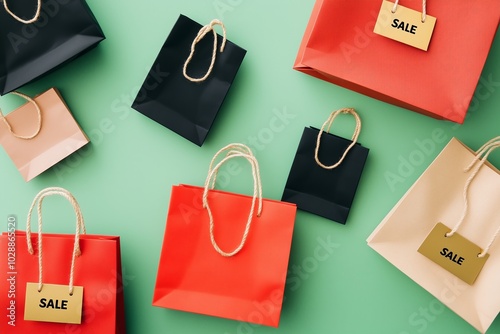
326	193
185	107
65	30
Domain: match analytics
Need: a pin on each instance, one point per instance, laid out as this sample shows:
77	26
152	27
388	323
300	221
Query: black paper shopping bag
189	79
36	36
326	171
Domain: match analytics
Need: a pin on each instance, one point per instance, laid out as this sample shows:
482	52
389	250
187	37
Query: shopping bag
323	180
51	275
225	254
189	79
459	191
40	133
339	46
36	36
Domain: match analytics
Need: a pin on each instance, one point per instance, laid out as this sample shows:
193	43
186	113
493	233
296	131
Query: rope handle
80	229
479	160
234	152
39	113
35	17
424	9
230	149
328	125
201	34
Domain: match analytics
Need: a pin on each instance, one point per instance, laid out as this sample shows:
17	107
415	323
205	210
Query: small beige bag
40	133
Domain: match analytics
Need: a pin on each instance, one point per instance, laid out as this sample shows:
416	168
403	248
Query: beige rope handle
257	190
38	110
424	9
35	17
80	229
481	157
231	149
328	124
203	31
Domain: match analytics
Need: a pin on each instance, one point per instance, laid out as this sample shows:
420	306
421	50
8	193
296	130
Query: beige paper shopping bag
461	190
40	133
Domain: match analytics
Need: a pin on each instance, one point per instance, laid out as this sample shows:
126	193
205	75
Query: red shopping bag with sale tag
60	283
340	46
225	254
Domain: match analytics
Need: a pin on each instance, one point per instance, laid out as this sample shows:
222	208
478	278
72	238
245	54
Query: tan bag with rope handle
442	232
40	133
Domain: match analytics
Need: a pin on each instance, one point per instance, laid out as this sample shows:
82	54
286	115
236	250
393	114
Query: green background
123	178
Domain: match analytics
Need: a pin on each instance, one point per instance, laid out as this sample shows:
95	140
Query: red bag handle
233	151
35	17
328	124
39	113
80	229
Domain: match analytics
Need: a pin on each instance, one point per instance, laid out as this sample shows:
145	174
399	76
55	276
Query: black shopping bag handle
33	19
203	31
328	125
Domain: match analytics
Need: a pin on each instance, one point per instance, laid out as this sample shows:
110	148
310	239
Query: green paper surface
123	179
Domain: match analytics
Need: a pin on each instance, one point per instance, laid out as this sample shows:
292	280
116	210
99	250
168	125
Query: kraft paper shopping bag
460	191
40	133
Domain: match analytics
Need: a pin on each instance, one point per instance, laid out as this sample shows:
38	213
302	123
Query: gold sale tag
405	25
53	303
456	254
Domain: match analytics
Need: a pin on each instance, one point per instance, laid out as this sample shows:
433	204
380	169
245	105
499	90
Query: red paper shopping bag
225	254
80	263
40	133
339	46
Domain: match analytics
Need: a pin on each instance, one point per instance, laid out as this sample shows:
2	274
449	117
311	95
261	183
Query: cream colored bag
461	190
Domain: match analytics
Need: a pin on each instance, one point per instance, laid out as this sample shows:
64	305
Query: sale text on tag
53	303
454	253
405	25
